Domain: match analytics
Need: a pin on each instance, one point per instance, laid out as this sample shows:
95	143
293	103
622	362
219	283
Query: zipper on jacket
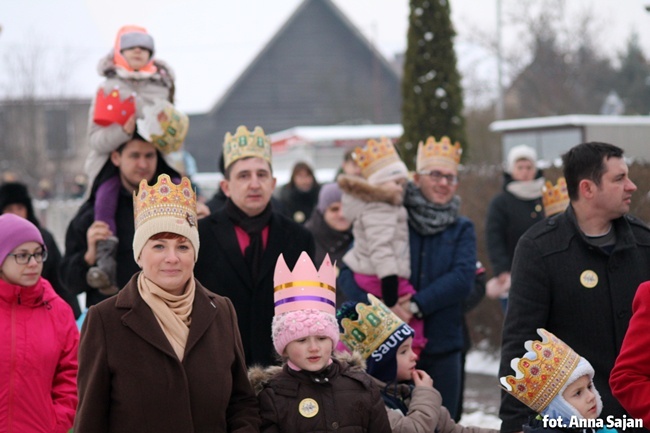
12	367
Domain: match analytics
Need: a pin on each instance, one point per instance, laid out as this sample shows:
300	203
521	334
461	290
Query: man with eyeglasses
443	265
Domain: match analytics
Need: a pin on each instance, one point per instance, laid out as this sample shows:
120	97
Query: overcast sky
210	42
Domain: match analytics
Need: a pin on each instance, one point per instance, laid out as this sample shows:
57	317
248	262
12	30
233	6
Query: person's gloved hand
389	290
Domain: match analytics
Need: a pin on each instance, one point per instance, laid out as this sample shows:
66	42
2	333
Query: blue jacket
443	268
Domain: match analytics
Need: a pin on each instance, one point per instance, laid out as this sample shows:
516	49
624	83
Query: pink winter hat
305	301
15	231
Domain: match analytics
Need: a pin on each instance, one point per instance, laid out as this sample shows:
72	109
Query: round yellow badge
589	279
299	217
308	407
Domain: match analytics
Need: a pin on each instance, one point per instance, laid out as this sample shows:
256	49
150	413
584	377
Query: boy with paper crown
380	256
556	382
312	391
136	87
385	342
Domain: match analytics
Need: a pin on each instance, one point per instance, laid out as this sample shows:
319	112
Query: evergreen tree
431	91
634	78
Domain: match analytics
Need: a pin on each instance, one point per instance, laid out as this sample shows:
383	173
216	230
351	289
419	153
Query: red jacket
630	377
38	360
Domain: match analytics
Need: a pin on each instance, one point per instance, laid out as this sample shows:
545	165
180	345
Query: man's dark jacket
221	268
74	268
553	287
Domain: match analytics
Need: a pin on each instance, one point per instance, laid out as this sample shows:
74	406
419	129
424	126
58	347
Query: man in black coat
135	160
576	273
241	242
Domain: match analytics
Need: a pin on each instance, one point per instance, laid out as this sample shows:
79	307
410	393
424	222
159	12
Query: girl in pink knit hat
312	391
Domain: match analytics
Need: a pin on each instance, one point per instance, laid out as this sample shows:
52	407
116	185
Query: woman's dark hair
301	166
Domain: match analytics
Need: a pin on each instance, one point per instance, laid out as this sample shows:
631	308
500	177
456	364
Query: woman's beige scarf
174	313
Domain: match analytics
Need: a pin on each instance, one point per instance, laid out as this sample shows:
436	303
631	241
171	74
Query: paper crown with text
164	207
164	126
374	325
304	300
375	155
542	372
246	144
436	153
555	198
111	108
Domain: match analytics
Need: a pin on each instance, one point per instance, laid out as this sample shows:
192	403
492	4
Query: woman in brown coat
164	354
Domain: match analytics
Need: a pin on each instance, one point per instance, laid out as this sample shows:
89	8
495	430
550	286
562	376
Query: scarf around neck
428	218
173	312
526	189
253	227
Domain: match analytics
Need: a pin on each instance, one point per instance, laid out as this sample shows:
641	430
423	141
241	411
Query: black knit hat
17	193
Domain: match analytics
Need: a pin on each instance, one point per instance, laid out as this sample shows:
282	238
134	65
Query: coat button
621	314
335	425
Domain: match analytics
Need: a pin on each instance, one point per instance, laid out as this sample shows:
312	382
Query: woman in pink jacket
38	337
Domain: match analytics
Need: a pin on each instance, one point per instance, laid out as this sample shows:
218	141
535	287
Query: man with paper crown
576	273
442	246
555	382
242	240
377	335
312	391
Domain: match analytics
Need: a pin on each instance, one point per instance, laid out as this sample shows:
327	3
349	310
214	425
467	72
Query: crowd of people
314	307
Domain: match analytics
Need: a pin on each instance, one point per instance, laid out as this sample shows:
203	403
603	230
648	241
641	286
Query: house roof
563	121
318	69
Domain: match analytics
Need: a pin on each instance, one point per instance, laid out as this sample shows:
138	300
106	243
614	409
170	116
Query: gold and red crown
375	155
435	153
555	198
542	372
375	324
165	199
245	144
111	108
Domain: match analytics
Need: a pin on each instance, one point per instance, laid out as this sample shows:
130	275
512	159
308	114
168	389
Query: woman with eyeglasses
38	337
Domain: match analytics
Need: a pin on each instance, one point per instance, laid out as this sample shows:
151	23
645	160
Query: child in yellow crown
557	383
377	335
312	392
380	257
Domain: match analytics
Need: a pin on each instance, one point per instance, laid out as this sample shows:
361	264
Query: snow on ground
482	393
481	362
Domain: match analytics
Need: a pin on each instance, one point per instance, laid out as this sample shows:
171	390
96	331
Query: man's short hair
587	161
226	172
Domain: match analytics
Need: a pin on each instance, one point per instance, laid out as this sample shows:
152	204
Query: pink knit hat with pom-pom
305	302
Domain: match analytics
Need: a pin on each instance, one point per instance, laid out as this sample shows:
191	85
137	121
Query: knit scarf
253	227
173	312
526	189
428	218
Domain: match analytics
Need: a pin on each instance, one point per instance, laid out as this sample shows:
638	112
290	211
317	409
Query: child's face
400	183
310	353
406	360
580	395
136	57
23	274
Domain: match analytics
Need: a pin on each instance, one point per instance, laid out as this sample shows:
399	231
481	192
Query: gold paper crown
246	144
542	372
165	199
174	126
555	198
441	152
375	324
375	156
